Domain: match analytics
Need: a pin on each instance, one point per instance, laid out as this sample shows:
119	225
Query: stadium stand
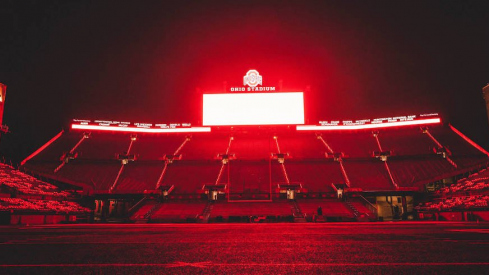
249	176
317	175
254	172
458	203
411	141
456	144
413	161
188	176
203	147
142	212
410	170
251	147
477	182
357	144
102	146
139	176
97	173
154	147
178	210
25	184
359	208
368	174
25	199
301	146
236	209
330	207
17	204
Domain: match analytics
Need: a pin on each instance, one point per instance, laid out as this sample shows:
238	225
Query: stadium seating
277	174
412	164
227	209
408	171
34	193
178	210
456	144
154	147
301	146
143	210
139	176
26	184
458	203
315	175
410	141
359	144
249	176
477	182
360	206
60	146
251	147
103	146
189	176
204	147
17	204
330	208
99	174
470	161
368	174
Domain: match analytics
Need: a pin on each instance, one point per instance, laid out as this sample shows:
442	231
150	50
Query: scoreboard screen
253	109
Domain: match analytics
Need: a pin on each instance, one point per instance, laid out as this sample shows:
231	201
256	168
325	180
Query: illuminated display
253	109
372	123
252	79
121	126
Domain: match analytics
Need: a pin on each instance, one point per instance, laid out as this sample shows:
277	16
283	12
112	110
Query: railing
130	210
370	206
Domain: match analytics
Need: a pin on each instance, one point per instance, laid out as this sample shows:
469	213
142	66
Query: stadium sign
252	79
385	122
121	126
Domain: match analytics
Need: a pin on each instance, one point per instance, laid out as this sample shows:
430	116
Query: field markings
483	231
210	264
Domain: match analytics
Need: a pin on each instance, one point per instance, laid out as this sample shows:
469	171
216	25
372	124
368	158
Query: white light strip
141	130
367	126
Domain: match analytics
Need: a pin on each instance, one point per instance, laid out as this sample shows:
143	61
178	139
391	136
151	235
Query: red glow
469	140
253	109
42	148
368	126
140	130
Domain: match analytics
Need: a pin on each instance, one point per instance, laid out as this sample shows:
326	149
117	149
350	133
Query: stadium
293	165
266	168
254	160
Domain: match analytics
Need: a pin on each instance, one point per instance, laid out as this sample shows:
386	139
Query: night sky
151	61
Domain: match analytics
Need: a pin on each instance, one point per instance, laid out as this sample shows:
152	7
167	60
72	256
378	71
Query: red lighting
368	126
141	130
471	142
42	148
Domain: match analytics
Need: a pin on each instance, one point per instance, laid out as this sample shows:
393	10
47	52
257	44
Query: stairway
353	209
204	216
296	212
359	216
146	216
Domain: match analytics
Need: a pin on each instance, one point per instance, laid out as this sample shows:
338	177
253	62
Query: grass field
365	248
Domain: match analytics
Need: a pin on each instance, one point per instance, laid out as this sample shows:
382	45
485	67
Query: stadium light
368	126
141	130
